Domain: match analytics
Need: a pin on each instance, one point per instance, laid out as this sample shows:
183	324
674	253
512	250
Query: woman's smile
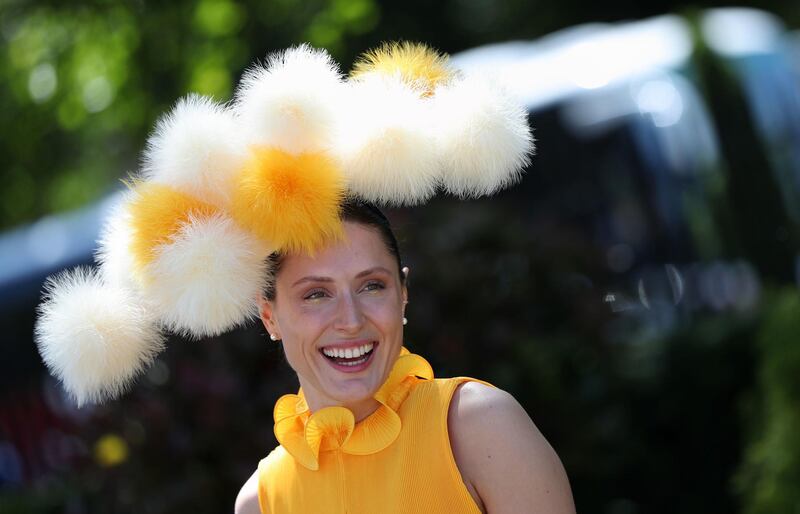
350	357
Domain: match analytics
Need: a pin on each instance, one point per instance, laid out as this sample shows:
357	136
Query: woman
291	168
351	297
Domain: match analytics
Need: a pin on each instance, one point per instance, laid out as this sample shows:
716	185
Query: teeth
355	363
349	353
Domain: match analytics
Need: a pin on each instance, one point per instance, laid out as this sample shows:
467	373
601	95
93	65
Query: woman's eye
314	295
373	286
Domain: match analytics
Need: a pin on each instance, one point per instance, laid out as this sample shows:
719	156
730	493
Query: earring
405	320
273	337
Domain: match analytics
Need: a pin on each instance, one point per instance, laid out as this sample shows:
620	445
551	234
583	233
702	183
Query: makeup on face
339	314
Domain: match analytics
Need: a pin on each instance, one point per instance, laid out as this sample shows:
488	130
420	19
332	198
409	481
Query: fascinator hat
222	186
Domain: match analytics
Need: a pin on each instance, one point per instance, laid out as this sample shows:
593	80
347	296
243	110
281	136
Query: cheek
289	350
300	322
296	352
295	328
386	313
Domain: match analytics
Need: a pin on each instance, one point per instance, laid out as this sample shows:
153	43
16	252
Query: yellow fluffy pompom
418	65
157	213
289	201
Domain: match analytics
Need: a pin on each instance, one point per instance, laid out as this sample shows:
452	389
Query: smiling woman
293	169
371	429
339	315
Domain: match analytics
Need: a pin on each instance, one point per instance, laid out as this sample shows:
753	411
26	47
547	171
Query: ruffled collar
304	434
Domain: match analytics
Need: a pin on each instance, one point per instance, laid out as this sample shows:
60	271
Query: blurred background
637	291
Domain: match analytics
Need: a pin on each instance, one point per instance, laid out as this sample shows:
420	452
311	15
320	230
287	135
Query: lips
349	357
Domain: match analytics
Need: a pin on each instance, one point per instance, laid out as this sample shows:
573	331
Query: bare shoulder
503	456
247	500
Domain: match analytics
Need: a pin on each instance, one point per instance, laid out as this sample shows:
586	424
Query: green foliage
68	94
770	473
82	84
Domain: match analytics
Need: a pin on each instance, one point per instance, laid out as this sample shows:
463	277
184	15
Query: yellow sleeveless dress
397	460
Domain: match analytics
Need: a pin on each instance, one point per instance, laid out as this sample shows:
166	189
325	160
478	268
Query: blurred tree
769	475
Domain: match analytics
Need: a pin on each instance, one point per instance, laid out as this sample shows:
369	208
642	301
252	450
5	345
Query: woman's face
339	314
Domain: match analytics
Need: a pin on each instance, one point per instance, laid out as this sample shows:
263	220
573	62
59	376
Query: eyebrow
313	278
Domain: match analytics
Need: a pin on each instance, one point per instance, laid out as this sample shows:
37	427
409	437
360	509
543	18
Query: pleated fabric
415	473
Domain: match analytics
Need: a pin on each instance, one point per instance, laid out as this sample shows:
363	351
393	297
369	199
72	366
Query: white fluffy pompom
113	251
94	338
293	102
207	280
483	136
385	144
196	149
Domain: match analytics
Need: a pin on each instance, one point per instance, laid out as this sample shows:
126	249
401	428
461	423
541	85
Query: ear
266	311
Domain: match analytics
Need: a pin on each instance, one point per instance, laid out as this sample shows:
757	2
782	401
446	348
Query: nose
349	316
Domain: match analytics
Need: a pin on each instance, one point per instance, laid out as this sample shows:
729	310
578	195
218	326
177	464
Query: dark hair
357	211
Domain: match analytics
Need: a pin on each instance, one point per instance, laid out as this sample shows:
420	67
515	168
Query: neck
360	409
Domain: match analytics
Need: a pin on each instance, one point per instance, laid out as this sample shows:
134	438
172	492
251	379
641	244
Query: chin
352	390
350	395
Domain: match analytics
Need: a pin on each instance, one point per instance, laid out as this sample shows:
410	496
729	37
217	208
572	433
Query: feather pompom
207	279
419	66
483	136
157	213
385	144
195	148
94	338
291	103
113	253
291	202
